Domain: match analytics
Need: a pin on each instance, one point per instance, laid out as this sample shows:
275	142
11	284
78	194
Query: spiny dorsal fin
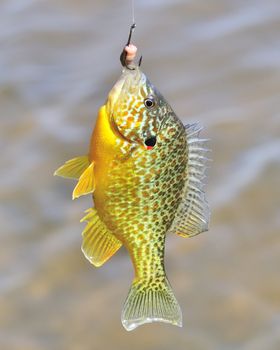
86	183
192	216
73	168
99	244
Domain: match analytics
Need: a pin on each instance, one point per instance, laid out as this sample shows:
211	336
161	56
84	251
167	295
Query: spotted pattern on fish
143	197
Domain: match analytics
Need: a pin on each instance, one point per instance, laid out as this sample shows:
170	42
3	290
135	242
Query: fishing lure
145	171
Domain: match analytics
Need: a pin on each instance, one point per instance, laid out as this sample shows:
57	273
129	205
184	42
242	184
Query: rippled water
216	62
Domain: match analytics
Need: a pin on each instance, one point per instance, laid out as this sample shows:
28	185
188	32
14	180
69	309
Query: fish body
145	170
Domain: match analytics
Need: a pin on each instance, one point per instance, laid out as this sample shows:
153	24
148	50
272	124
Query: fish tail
150	302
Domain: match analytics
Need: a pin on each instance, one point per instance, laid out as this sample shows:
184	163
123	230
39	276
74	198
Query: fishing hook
124	53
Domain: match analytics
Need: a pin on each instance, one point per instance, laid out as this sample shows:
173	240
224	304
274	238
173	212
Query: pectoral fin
73	168
86	183
99	244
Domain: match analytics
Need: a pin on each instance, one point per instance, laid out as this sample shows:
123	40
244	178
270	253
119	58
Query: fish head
136	109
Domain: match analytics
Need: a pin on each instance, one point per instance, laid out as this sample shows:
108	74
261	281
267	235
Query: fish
145	171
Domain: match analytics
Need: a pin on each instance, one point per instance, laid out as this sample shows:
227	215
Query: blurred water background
217	62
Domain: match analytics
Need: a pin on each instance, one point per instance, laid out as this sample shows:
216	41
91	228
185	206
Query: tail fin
149	304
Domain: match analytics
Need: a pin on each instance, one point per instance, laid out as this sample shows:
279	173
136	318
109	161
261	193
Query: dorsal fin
192	216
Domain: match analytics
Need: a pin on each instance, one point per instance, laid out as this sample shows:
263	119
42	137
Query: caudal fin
146	304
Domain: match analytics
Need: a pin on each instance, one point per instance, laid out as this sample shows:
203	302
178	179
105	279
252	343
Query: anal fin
73	168
99	244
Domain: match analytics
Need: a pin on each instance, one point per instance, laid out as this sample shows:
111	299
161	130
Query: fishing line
133	11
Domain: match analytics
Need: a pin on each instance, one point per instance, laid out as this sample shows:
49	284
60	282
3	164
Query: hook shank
123	55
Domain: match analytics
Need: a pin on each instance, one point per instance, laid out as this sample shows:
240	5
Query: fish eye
149	102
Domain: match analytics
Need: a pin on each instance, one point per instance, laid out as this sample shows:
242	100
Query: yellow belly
103	149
